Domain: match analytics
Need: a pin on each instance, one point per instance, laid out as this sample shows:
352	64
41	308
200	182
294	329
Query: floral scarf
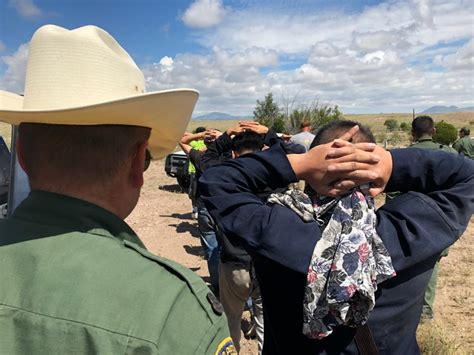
348	261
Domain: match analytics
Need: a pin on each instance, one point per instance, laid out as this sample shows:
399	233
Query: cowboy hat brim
167	113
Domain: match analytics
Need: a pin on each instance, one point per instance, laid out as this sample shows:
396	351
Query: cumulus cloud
462	59
26	8
400	53
204	14
253	57
166	63
13	79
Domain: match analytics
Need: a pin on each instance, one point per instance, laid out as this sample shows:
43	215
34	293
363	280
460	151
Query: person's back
415	228
78	280
423	130
74	276
305	137
465	144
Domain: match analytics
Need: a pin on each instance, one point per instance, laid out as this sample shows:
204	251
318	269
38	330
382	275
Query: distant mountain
219	116
448	109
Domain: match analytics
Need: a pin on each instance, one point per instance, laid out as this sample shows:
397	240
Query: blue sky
365	56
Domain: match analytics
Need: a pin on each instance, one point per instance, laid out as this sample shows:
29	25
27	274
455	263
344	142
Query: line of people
230	267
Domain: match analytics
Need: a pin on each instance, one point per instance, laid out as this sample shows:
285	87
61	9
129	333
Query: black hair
199	129
466	131
336	128
422	125
246	142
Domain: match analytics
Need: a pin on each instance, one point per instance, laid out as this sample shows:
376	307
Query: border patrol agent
423	130
74	276
465	144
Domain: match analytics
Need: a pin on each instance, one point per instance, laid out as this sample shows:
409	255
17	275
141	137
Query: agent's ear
138	165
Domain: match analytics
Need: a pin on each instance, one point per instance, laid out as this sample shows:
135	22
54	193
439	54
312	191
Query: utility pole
413	113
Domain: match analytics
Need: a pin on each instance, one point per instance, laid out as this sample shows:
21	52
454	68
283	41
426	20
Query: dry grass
434	339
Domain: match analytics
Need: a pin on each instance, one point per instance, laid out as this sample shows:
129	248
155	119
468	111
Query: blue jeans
207	230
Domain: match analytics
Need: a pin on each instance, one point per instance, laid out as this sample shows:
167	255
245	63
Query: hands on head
334	168
247	126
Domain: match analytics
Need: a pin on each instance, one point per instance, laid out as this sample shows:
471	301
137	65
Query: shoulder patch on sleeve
226	347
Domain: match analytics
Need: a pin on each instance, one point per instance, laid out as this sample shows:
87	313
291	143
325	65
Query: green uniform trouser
430	292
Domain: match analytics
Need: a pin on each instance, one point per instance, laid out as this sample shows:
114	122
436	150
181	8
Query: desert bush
316	113
405	127
446	133
396	138
391	124
289	118
381	138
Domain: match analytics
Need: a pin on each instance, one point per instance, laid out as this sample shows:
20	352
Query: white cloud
463	59
13	79
254	57
386	57
204	13
166	63
423	11
26	8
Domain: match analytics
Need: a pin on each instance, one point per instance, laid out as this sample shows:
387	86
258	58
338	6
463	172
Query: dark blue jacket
415	228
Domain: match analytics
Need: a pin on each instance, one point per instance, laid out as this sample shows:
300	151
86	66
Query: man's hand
332	169
234	130
254	127
189	137
382	171
211	134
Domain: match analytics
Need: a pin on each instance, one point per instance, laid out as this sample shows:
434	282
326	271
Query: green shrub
405	127
391	124
446	133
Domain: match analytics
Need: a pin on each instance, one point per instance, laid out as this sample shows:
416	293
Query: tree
446	133
391	124
316	113
405	127
268	113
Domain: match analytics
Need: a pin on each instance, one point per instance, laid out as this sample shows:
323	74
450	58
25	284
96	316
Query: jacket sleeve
230	190
434	212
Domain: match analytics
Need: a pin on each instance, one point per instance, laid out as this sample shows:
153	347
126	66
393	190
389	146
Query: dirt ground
163	221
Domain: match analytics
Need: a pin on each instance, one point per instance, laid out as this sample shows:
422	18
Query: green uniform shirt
75	279
465	145
427	143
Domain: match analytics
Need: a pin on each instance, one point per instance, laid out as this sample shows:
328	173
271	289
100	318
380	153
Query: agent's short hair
78	153
337	128
199	129
247	142
422	125
466	131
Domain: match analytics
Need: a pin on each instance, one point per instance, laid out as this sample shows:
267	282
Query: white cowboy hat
84	77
